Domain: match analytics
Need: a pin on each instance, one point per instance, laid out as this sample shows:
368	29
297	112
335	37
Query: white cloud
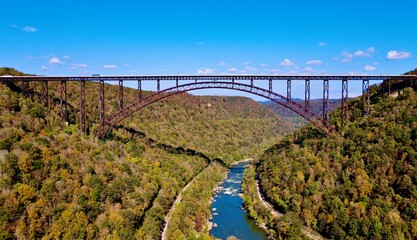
264	65
369	68
370	50
232	70
395	55
66	57
322	44
221	63
287	63
44	68
308	70
205	71
55	61
246	63
314	62
110	66
347	56
77	66
80	65
30	29
361	53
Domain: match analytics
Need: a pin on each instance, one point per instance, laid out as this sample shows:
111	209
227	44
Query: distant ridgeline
359	183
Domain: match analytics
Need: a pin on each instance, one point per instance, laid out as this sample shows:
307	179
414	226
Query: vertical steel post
307	95
42	93
101	103
345	102
251	82
365	97
158	85
48	103
25	88
289	89
176	81
326	99
196	80
63	108
82	107
270	85
389	87
120	94
139	90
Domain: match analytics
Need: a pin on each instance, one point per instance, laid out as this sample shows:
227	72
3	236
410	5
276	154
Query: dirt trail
306	230
177	200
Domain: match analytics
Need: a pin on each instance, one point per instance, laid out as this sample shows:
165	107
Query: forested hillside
56	184
358	183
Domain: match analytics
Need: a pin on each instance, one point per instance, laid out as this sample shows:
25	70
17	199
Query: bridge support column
120	95
25	88
158	85
345	102
101	103
45	93
389	87
82	107
176	82
251	82
326	100
307	95
139	89
365	98
289	89
270	85
63	100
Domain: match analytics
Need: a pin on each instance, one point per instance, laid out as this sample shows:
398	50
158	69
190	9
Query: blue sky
145	37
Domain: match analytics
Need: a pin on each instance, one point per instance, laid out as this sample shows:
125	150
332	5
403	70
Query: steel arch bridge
233	82
317	121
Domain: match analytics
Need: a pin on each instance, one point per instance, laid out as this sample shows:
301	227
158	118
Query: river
229	217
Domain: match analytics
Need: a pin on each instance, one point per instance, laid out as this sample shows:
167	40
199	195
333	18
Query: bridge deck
207	78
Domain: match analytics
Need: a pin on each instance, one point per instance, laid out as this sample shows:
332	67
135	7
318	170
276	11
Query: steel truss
318	122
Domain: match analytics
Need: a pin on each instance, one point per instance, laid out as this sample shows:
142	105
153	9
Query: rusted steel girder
120	95
326	110
63	106
307	95
139	89
83	127
345	102
365	98
102	103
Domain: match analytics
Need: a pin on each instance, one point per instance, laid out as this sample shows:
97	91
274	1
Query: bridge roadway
195	82
210	78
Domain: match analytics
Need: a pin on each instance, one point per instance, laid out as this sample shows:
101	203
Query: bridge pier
25	87
365	98
45	93
326	99
82	108
101	103
270	85
63	100
289	89
158	85
307	95
120	95
139	90
345	102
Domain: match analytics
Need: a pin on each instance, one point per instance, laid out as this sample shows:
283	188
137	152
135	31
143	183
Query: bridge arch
127	111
